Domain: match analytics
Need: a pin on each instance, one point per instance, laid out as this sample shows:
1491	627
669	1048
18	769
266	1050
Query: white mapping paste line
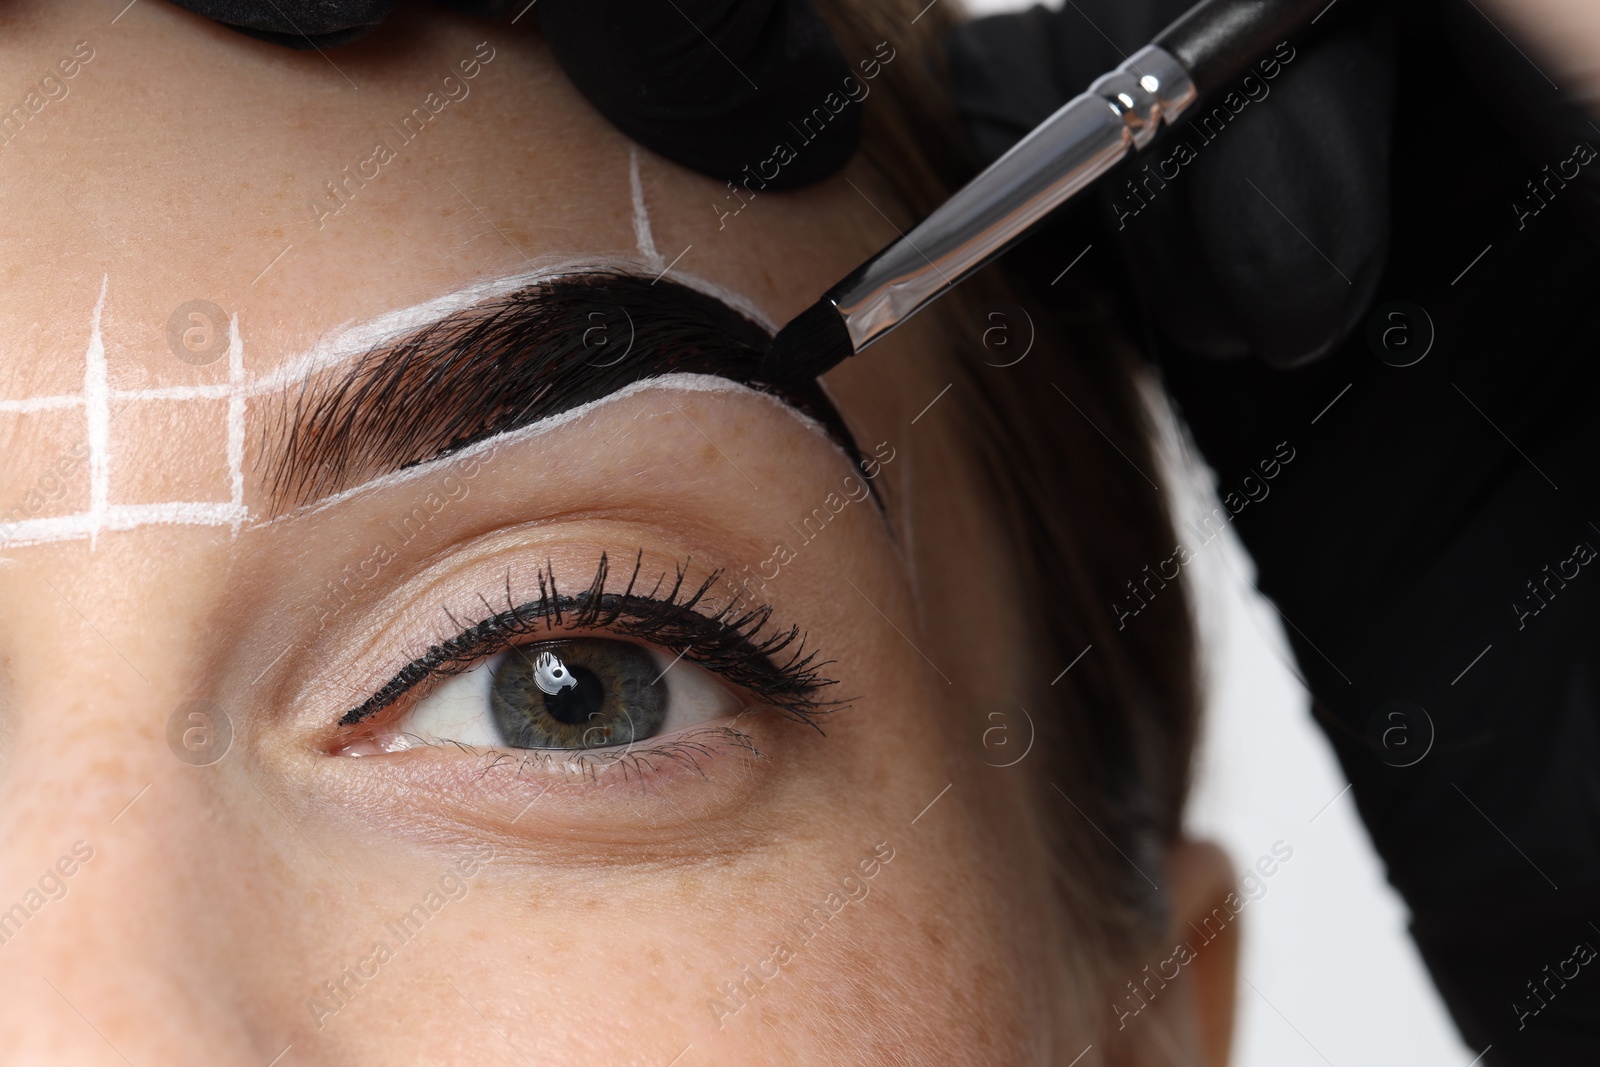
352	341
203	513
40	403
687	383
348	344
220	391
641	216
123	517
738	301
97	415
236	401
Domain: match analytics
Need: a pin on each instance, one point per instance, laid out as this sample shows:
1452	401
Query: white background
1329	975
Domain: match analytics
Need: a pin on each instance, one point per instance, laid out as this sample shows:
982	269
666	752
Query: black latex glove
1260	224
709	84
1201	217
1417	545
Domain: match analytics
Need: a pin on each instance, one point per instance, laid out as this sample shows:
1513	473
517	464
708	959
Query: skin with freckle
869	893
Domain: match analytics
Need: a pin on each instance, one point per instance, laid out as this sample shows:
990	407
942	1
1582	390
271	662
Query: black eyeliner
728	641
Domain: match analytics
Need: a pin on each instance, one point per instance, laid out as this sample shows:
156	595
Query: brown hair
1118	730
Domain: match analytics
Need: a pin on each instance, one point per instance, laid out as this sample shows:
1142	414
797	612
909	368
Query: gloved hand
1261	224
1413	153
709	84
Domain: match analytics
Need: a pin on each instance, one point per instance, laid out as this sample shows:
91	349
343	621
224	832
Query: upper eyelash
727	641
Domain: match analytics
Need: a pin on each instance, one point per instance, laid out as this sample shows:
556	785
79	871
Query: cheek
931	967
926	969
940	963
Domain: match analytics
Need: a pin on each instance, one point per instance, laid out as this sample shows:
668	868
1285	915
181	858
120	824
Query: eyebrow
505	364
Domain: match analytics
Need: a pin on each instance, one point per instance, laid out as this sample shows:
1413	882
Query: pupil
576	705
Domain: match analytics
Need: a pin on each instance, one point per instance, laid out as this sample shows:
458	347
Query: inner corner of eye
565	695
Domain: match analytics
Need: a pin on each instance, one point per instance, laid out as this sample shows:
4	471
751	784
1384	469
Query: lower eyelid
688	746
662	798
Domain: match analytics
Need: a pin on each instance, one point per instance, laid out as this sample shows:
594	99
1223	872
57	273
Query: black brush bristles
812	344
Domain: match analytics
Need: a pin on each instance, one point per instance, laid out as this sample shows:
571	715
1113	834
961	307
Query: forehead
304	190
191	215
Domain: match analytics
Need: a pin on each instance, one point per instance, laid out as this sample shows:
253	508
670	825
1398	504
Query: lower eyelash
636	761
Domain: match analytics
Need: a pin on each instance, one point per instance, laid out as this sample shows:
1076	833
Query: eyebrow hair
499	366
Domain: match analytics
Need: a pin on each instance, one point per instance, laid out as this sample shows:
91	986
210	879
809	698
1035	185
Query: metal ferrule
1086	137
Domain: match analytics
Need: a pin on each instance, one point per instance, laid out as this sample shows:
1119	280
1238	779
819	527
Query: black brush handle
1217	40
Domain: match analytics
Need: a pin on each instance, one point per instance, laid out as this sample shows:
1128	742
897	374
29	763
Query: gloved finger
297	23
1277	194
748	91
714	84
1257	226
1010	72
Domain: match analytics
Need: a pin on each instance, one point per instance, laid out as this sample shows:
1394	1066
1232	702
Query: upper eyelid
732	631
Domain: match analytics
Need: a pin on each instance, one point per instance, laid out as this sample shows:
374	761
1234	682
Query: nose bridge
121	853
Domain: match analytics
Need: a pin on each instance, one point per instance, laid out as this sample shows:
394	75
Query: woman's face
206	567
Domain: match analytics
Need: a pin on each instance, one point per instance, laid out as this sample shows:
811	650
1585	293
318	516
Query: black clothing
1435	539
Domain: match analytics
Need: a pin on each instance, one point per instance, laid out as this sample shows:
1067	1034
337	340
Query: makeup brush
1213	43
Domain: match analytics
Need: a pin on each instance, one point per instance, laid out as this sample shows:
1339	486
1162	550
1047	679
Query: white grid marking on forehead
97	417
642	234
236	421
100	404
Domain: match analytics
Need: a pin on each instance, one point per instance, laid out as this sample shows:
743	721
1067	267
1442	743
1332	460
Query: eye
578	693
489	686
